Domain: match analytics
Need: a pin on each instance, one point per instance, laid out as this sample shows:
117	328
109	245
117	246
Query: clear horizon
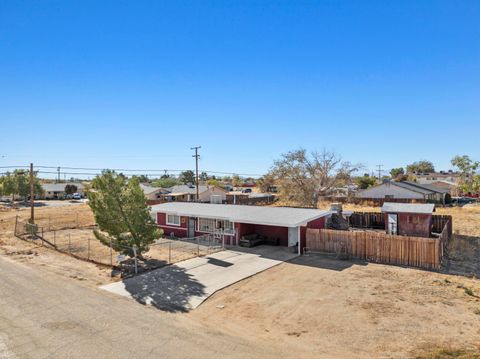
135	85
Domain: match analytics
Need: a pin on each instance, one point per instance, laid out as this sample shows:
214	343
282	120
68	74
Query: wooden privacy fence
378	247
367	220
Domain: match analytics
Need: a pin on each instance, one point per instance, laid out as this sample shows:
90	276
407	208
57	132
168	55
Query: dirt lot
64	265
314	306
340	309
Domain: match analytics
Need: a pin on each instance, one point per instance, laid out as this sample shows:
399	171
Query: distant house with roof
57	190
188	193
153	193
444	176
406	190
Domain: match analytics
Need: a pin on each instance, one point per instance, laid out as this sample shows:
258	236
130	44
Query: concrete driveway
185	285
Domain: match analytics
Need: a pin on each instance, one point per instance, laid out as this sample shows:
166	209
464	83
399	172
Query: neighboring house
430	178
57	190
448	186
153	193
287	225
404	190
188	193
408	219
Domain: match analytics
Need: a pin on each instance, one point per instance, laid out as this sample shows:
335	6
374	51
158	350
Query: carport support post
299	241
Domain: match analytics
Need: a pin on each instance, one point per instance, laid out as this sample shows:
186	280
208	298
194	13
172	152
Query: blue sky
135	84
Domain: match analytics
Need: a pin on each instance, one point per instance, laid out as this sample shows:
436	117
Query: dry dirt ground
317	306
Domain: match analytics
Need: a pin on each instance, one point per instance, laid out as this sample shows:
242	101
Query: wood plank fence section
374	220
378	247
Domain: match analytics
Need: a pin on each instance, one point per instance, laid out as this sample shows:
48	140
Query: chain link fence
80	242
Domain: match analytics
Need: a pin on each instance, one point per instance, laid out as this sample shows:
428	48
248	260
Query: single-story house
404	190
188	193
429	178
408	219
283	224
57	190
152	193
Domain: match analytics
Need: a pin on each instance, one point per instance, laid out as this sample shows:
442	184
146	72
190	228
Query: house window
206	225
226	226
173	219
388	196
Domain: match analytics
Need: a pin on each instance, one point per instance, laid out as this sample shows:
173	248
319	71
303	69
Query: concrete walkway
185	285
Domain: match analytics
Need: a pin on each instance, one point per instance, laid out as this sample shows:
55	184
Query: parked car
77	196
247	190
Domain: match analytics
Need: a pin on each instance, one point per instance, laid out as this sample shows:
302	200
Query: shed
408	219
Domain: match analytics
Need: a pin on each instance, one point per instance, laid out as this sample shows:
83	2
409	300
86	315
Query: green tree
165	182
203	176
71	189
17	183
365	181
467	168
215	183
187	177
236	181
122	214
143	178
395	172
421	167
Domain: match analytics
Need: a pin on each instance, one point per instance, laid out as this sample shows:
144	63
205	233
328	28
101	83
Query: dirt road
44	315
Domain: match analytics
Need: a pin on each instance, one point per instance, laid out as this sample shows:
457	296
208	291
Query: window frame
173	223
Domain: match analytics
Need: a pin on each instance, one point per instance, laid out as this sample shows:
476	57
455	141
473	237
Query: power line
137	171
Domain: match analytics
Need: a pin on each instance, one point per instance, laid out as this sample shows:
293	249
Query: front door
191	227
392	224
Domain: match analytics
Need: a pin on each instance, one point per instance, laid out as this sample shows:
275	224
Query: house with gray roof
57	190
406	190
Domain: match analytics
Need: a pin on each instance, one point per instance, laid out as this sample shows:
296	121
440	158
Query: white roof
271	216
425	208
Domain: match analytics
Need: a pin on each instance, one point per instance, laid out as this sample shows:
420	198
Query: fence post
16	224
169	252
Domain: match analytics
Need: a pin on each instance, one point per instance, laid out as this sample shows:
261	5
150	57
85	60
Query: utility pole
196	155
32	196
58	170
379	172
